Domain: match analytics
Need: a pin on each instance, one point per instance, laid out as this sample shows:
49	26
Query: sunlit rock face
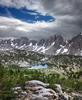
37	90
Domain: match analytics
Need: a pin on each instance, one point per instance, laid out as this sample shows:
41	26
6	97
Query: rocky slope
54	45
37	90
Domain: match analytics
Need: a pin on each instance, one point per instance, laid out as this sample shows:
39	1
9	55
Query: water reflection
41	66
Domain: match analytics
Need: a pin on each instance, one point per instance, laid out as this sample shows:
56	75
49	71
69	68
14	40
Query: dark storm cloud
63	7
68	14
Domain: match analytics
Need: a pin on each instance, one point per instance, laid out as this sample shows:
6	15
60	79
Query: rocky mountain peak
54	45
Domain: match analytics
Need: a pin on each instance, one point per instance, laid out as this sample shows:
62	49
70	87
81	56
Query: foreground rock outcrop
37	90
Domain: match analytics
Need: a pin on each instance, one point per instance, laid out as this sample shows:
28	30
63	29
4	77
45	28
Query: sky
38	19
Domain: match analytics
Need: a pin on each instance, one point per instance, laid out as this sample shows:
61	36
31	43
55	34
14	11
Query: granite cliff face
37	90
54	45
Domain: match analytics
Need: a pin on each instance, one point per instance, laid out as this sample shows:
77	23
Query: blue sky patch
30	16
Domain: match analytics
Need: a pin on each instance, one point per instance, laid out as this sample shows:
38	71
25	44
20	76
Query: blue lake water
39	66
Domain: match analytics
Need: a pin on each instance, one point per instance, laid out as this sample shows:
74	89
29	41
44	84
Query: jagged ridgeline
54	45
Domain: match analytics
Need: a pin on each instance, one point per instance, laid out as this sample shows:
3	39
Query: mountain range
54	45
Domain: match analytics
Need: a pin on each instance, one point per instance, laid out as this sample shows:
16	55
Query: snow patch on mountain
65	50
58	51
30	44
